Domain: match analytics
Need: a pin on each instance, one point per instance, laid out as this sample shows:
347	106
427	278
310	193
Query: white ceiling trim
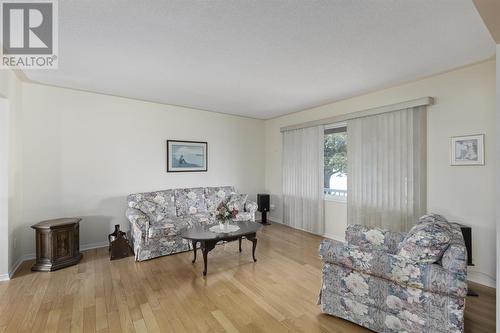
423	101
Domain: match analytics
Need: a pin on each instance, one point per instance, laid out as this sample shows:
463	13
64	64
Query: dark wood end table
57	244
208	239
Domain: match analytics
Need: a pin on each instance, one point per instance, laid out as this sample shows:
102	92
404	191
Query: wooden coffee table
208	239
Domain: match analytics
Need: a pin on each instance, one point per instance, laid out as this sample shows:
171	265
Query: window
335	171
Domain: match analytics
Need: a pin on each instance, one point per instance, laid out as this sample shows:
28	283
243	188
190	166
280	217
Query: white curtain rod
363	113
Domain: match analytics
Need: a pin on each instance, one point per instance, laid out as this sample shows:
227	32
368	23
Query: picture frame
467	150
187	156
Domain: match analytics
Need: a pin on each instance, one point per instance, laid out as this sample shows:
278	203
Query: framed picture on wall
186	156
467	150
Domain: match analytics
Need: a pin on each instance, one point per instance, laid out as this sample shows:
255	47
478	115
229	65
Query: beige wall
10	93
465	104
498	181
4	188
82	153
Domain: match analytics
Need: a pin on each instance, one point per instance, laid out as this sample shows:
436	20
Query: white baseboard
91	246
334	237
31	256
275	220
326	235
481	278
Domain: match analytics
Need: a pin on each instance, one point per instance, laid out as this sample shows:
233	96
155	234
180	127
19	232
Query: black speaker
467	233
263	202
263	206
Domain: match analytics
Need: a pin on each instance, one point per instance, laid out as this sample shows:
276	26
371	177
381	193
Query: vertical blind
303	179
386	156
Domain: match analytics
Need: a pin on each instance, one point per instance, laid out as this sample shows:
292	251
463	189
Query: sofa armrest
370	238
455	258
250	206
137	217
397	269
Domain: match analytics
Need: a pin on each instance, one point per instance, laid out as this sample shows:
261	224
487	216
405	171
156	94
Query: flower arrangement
224	213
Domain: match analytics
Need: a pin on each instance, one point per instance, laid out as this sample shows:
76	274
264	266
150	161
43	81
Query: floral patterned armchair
158	218
397	282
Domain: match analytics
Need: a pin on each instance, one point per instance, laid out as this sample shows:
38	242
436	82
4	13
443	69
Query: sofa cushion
215	195
166	228
190	201
237	201
174	226
426	242
156	205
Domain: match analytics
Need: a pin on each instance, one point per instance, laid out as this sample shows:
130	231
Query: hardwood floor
278	293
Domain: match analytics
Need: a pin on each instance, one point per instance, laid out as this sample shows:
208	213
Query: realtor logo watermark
29	34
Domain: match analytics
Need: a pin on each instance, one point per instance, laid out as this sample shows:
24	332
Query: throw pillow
156	205
190	201
237	201
215	195
426	242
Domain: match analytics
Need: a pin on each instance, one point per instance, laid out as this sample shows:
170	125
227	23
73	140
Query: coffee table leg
253	239
239	241
205	253
195	243
206	246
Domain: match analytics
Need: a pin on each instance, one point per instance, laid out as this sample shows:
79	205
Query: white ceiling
262	58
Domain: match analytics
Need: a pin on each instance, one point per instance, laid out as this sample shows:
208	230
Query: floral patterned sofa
157	218
397	282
